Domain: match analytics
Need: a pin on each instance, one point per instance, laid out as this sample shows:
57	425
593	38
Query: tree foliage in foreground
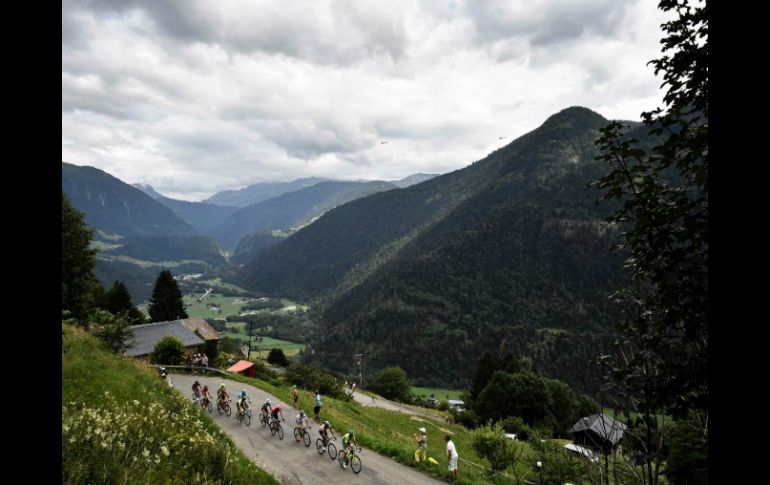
78	283
662	362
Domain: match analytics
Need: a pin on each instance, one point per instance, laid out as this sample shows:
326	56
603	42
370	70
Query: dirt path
290	462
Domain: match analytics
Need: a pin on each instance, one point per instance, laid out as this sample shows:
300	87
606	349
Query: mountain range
509	253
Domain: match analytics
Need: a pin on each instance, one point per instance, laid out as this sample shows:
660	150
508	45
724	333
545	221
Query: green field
229	305
150	264
267	343
221	284
441	394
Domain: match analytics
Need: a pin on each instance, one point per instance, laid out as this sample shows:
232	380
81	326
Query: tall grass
122	425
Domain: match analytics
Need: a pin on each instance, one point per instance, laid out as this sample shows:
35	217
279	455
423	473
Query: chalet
192	332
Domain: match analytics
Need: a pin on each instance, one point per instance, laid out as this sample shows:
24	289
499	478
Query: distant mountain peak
147	189
576	117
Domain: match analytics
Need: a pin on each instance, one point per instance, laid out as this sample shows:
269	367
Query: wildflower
164	450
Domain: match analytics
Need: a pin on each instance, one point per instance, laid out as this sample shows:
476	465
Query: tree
169	350
392	383
489	363
564	405
522	394
662	362
118	301
232	346
166	302
277	357
78	283
114	330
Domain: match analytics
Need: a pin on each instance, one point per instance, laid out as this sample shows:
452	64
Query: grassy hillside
122	425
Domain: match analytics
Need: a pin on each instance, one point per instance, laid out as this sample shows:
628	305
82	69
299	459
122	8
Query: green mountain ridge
202	216
292	209
477	259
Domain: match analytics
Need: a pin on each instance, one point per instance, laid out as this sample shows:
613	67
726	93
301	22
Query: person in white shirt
451	454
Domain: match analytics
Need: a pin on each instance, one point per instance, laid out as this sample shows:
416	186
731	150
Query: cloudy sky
197	96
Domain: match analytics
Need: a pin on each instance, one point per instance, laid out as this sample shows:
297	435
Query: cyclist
266	408
324	431
276	411
241	402
302	423
221	395
196	387
206	393
348	443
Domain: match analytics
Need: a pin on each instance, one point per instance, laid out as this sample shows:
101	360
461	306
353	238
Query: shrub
277	357
467	418
315	379
490	443
114	330
517	426
169	351
392	383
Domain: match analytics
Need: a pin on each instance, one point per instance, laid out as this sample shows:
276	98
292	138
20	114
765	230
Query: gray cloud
545	22
198	96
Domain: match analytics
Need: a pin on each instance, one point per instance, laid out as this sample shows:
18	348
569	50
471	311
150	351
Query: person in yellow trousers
422	446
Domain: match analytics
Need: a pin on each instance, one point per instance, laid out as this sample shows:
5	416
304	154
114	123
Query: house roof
145	336
602	426
240	366
202	326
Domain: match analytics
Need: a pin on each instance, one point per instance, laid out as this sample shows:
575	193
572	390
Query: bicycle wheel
228	409
332	451
247	418
306	439
319	445
341	458
280	431
355	464
263	419
296	434
209	407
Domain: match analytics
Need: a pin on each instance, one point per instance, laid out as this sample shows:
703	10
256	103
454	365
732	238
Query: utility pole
251	330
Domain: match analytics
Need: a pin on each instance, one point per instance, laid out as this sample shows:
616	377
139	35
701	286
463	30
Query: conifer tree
166	302
118	301
78	283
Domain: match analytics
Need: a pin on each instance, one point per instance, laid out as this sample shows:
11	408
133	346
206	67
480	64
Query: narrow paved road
367	400
291	462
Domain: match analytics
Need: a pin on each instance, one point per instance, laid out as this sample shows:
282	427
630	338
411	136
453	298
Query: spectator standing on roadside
189	363
204	362
317	408
452	457
422	446
294	394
